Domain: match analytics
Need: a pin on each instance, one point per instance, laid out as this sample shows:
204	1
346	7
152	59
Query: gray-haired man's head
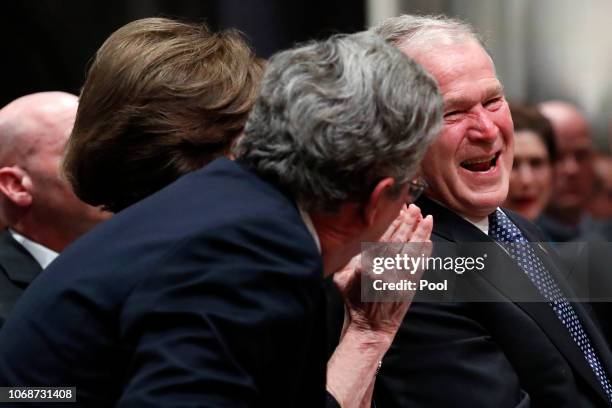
337	116
468	166
415	34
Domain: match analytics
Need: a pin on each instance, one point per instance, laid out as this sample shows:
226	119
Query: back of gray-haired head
335	117
413	32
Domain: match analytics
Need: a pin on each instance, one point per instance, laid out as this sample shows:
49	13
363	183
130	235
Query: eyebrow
497	90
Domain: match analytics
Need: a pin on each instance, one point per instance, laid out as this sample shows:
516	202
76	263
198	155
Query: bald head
34	199
567	120
573	182
33	119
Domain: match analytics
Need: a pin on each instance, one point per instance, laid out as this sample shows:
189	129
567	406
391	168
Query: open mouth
481	164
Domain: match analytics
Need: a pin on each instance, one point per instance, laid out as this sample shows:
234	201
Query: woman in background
532	171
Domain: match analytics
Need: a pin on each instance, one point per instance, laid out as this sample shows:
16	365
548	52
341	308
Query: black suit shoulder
17	270
500	353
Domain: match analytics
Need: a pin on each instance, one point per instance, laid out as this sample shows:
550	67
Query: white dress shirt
43	255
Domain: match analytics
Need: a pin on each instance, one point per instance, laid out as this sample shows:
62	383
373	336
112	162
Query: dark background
46	44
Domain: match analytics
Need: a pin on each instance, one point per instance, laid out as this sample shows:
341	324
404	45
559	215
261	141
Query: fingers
403	231
404	224
392	228
409	226
422	235
422	231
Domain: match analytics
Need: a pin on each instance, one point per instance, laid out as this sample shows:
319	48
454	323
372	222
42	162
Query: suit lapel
20	267
514	284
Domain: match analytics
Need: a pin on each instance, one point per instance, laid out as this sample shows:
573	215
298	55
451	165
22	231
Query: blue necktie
503	230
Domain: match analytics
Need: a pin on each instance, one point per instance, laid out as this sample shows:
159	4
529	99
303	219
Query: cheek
503	121
441	153
544	178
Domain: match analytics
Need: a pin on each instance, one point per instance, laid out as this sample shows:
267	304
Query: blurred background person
598	256
532	169
566	217
567	220
37	204
600	204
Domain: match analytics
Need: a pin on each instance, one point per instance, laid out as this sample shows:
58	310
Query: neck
472	219
42	236
339	243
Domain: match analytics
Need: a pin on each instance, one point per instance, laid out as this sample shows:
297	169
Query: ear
16	185
379	197
230	153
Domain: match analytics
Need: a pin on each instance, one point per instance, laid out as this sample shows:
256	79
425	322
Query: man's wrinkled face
468	166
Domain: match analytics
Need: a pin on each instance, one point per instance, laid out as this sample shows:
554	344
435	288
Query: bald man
41	212
565	218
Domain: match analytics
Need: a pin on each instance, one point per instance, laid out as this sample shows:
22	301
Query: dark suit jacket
17	270
489	354
206	294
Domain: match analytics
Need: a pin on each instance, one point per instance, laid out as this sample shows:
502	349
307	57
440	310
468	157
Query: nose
567	164
482	127
525	174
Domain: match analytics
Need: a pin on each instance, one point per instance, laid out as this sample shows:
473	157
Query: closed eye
453	113
494	103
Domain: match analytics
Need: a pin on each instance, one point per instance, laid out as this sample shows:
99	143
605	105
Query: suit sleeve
223	322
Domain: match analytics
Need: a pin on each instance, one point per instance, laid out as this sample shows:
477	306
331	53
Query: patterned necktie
503	230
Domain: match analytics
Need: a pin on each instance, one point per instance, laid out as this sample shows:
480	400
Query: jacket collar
17	262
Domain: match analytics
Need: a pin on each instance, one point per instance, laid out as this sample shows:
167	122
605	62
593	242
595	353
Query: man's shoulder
222	211
223	192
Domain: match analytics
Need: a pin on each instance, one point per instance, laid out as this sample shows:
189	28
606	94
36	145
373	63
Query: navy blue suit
499	353
207	294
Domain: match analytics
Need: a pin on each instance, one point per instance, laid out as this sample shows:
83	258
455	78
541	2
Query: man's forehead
470	94
572	133
451	64
578	142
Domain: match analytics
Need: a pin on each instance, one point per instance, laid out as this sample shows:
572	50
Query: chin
484	203
531	214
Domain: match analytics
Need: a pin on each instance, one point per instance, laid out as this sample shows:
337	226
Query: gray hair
424	32
335	117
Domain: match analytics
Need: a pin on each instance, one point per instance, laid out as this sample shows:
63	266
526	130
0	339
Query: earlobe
378	197
16	185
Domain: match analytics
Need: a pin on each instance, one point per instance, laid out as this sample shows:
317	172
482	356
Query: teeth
478	161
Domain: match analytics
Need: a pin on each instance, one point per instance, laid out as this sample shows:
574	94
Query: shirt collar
482	224
43	255
310	226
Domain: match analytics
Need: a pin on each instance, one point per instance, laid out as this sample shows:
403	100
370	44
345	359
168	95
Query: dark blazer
17	270
489	354
206	294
